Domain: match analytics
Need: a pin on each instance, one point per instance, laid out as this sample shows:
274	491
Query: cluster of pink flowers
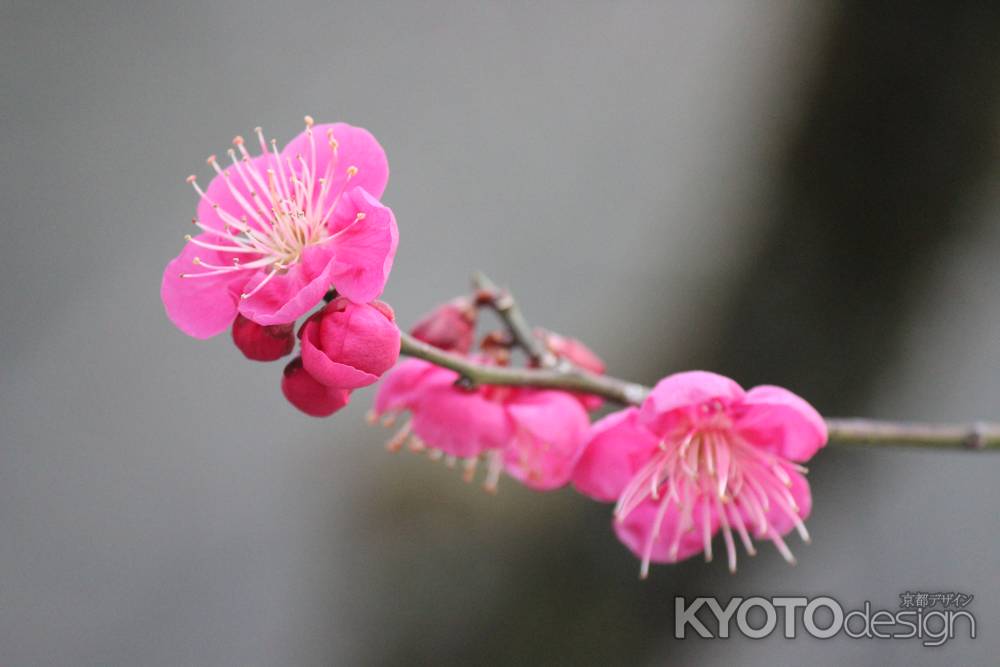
287	232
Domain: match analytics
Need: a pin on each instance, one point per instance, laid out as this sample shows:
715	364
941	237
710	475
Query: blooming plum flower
700	456
350	345
277	230
535	436
263	343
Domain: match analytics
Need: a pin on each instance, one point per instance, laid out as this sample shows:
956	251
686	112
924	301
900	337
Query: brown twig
503	302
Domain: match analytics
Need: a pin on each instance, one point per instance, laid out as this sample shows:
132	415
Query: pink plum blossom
276	230
536	436
350	345
700	456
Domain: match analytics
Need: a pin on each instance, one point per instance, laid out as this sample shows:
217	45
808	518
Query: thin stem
503	302
842	431
979	435
567	379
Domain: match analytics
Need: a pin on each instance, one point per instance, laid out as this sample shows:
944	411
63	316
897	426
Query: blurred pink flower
278	229
572	350
451	326
535	436
550	430
350	345
699	456
578	354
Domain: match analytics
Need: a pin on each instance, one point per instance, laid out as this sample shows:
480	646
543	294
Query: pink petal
401	387
634	531
201	307
780	422
590	402
288	296
356	147
220	193
617	446
365	248
458	422
550	431
676	396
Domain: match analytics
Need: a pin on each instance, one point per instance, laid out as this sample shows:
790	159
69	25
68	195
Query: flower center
282	208
712	475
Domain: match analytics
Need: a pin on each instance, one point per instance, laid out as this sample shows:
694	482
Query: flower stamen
288	212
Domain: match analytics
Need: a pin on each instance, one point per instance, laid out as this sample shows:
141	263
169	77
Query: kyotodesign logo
918	617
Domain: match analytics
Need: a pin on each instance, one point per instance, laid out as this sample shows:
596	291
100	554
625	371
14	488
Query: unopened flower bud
263	343
451	326
578	354
350	345
572	351
304	392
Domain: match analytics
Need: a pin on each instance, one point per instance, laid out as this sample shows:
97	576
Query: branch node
465	383
977	436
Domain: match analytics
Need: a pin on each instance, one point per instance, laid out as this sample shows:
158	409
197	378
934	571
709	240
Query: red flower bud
263	343
451	326
304	392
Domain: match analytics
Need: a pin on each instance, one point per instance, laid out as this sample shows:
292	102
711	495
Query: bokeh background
801	193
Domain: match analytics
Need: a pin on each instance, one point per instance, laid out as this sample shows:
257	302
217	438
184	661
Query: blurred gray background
788	192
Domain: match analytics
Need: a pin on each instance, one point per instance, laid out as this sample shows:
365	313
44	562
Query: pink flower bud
577	354
263	343
572	351
451	326
304	392
350	345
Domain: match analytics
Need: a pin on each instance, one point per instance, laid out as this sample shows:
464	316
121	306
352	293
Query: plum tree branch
980	435
503	302
568	378
556	374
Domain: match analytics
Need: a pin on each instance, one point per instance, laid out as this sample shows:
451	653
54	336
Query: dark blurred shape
898	131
